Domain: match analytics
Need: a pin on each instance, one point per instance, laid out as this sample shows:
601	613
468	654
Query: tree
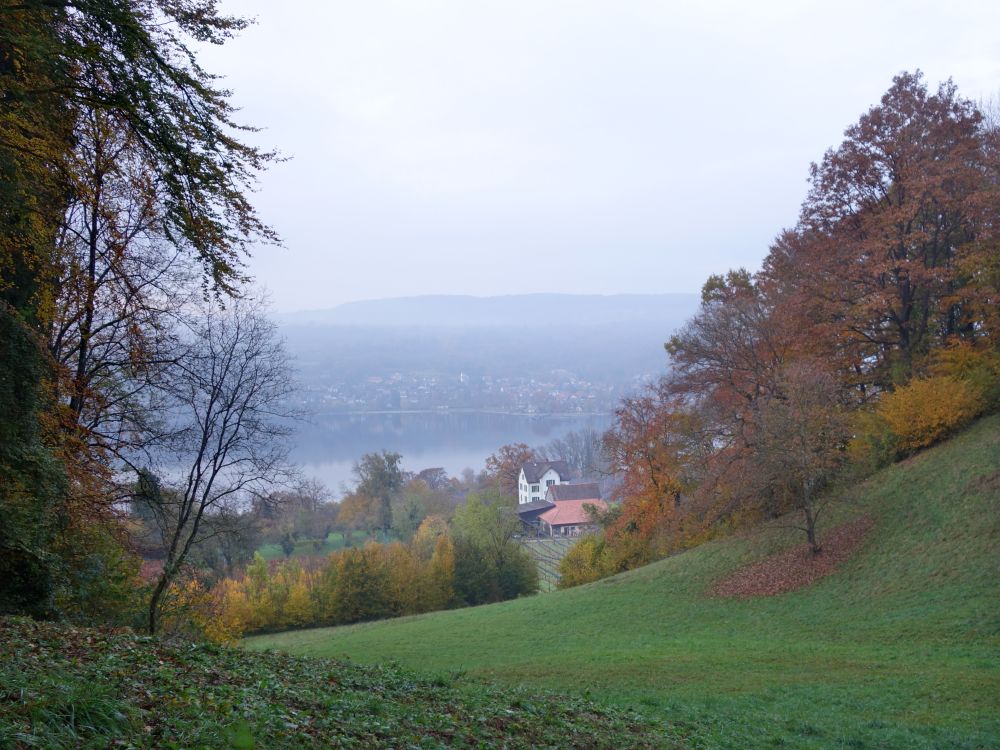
82	82
228	394
380	477
357	512
580	449
504	467
801	433
440	584
490	564
896	246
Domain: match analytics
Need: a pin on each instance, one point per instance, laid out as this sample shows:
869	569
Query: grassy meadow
308	547
899	648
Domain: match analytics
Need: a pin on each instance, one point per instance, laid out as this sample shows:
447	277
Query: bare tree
229	396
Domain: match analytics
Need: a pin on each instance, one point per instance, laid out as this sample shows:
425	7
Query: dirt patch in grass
985	484
795	567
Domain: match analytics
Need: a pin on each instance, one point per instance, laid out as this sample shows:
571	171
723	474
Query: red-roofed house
570	517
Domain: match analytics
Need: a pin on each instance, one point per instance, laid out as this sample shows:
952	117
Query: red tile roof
571	512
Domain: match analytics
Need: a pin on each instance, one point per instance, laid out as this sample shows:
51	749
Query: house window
549	482
534	488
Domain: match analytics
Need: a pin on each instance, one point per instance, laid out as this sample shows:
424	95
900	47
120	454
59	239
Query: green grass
306	547
900	648
63	687
547	554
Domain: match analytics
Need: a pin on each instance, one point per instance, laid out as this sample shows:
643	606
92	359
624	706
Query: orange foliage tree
504	467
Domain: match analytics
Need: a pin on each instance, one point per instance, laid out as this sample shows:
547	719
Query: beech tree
895	239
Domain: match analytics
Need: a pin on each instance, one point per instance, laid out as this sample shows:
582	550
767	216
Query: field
547	554
308	547
900	648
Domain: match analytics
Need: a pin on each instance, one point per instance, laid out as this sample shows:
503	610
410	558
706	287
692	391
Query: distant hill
521	310
897	649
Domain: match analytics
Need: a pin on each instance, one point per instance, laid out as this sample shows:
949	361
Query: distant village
560	392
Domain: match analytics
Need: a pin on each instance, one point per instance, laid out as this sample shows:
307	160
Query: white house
537	476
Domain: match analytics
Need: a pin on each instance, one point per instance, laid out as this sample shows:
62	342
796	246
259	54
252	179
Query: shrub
978	367
585	561
926	410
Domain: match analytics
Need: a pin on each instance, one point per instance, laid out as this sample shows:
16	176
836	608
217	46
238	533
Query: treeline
869	332
475	559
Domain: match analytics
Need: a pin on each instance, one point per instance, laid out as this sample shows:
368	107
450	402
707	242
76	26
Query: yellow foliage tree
299	607
439	587
425	540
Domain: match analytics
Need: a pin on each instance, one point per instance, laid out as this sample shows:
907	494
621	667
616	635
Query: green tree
380	477
490	564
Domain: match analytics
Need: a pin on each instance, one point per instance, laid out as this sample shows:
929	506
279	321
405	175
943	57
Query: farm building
537	476
562	511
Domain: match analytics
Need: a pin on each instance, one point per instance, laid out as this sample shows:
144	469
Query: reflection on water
453	440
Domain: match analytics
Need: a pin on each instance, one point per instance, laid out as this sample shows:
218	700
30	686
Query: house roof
533	505
571	512
578	491
534	470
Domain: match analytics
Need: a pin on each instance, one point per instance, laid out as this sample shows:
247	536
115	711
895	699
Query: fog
581	147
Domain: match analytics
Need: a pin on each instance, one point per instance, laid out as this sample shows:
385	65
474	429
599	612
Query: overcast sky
582	147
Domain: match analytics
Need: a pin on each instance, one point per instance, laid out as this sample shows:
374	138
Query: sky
490	148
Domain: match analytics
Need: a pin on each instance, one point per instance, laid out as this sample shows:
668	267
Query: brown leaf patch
795	567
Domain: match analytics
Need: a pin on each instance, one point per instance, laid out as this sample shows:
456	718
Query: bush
585	561
928	409
977	367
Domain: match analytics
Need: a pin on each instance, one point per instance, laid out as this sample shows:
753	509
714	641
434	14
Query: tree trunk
811	531
154	603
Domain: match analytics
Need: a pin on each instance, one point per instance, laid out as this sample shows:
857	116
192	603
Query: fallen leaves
796	567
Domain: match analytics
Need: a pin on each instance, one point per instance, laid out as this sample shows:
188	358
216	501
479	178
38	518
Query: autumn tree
439	586
799	442
357	512
504	467
227	397
72	76
896	239
653	446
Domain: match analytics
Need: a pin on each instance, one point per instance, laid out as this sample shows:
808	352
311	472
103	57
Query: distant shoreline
496	412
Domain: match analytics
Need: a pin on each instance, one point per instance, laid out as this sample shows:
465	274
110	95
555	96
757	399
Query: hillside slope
899	648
